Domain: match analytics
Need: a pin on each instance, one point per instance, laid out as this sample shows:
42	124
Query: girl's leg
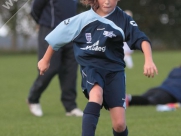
118	121
92	111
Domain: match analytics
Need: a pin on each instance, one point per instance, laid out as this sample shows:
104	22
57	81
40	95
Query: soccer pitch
18	71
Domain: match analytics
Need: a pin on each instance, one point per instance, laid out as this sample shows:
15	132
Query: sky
3	31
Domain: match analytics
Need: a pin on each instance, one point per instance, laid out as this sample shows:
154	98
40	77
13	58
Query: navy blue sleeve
37	8
133	36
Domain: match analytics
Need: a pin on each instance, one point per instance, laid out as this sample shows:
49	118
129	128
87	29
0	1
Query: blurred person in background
168	92
48	14
127	51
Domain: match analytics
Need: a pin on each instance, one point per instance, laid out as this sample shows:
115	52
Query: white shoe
75	112
35	109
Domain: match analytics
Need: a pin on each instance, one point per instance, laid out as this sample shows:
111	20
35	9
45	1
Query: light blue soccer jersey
98	41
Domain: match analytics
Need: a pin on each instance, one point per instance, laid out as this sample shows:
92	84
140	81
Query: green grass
17	73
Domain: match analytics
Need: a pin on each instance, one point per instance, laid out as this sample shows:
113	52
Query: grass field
17	73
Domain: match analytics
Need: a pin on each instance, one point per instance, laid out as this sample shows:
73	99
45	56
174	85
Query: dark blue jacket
172	83
50	13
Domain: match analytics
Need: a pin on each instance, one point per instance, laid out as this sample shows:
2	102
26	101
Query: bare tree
15	15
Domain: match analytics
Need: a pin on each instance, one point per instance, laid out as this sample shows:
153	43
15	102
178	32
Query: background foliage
159	19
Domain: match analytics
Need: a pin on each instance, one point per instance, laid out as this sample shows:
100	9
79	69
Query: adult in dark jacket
168	92
48	14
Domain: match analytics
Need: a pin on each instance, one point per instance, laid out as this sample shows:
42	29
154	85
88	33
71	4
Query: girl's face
106	6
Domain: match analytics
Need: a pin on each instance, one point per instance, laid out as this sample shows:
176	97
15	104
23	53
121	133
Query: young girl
98	35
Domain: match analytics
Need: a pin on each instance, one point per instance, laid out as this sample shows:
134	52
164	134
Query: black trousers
62	63
153	96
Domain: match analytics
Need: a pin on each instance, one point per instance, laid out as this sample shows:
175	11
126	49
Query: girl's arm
44	63
149	67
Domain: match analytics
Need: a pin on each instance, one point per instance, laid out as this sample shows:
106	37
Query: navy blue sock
124	133
90	118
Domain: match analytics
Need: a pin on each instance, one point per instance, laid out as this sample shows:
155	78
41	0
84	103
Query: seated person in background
127	51
168	92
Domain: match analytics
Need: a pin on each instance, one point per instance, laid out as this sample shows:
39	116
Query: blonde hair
92	3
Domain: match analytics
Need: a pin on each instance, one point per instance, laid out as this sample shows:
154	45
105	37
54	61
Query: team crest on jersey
88	37
109	34
67	21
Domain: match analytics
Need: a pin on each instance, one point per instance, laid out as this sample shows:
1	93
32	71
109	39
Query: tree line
159	19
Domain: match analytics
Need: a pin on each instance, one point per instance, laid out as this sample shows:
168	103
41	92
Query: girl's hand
43	66
44	63
150	69
149	66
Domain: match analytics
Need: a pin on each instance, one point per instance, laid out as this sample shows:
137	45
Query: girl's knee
119	126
